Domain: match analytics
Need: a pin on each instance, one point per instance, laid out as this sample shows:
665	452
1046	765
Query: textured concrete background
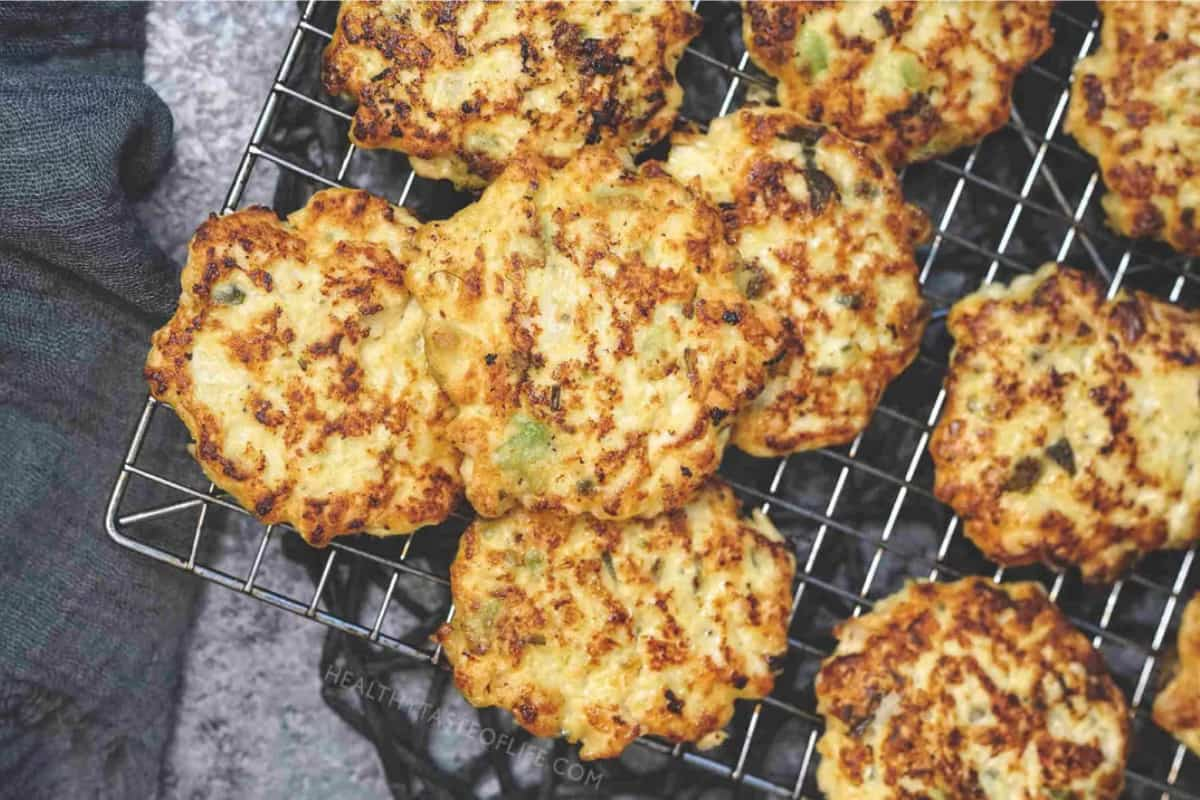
251	720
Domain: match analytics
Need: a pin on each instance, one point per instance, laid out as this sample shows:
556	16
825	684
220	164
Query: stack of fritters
587	324
574	350
587	329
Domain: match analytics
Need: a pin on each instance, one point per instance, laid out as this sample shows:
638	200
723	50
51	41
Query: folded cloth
90	634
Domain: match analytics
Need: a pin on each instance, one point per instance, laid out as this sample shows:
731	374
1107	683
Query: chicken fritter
296	361
587	323
463	87
915	80
969	690
1071	427
1177	707
604	631
1135	106
825	239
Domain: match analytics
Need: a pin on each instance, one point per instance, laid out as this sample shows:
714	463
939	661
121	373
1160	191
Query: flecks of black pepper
1024	475
1062	454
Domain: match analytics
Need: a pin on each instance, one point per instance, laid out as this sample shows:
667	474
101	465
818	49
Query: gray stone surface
251	720
212	64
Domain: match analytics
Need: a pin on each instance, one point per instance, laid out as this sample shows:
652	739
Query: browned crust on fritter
298	396
1177	707
561	75
960	91
893	696
1133	106
825	239
1070	423
587	324
605	631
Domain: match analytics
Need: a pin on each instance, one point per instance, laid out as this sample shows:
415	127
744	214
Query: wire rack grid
862	517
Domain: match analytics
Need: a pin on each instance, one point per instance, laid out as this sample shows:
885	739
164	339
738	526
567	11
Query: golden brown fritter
916	80
1177	708
1135	106
587	324
605	631
296	361
968	690
463	87
825	239
1072	425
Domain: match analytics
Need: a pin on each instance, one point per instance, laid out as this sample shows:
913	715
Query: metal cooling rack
862	517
